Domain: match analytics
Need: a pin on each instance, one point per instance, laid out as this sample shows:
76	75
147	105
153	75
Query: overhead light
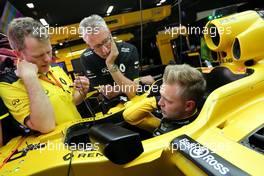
61	44
109	10
56	52
30	5
43	21
107	14
161	1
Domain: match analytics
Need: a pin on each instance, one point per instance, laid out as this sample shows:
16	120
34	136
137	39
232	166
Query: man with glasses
107	63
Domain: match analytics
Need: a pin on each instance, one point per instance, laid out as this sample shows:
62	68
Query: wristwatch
113	68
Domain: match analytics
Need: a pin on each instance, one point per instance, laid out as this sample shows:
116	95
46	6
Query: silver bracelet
113	68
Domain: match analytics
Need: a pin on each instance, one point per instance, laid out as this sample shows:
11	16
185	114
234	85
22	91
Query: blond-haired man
37	95
183	86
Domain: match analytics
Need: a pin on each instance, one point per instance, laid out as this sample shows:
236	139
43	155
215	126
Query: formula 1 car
226	138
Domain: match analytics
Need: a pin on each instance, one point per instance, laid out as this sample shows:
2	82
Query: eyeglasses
105	42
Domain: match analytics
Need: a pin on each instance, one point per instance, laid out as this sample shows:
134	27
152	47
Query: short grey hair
189	79
20	28
92	24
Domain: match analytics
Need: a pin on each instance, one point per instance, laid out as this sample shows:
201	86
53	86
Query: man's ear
190	105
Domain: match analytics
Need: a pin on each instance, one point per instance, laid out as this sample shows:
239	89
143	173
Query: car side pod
205	159
118	144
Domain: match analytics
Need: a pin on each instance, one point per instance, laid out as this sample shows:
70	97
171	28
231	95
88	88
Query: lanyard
54	81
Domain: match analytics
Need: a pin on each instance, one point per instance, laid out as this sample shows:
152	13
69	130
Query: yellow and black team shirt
56	86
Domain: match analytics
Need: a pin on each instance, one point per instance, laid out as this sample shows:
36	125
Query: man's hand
26	69
147	80
81	84
42	116
110	60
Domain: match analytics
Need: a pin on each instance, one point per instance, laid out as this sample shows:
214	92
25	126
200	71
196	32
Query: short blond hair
189	79
20	28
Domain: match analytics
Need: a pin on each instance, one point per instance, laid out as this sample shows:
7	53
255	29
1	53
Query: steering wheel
97	102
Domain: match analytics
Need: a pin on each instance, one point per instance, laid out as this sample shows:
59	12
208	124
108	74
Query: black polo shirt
96	69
